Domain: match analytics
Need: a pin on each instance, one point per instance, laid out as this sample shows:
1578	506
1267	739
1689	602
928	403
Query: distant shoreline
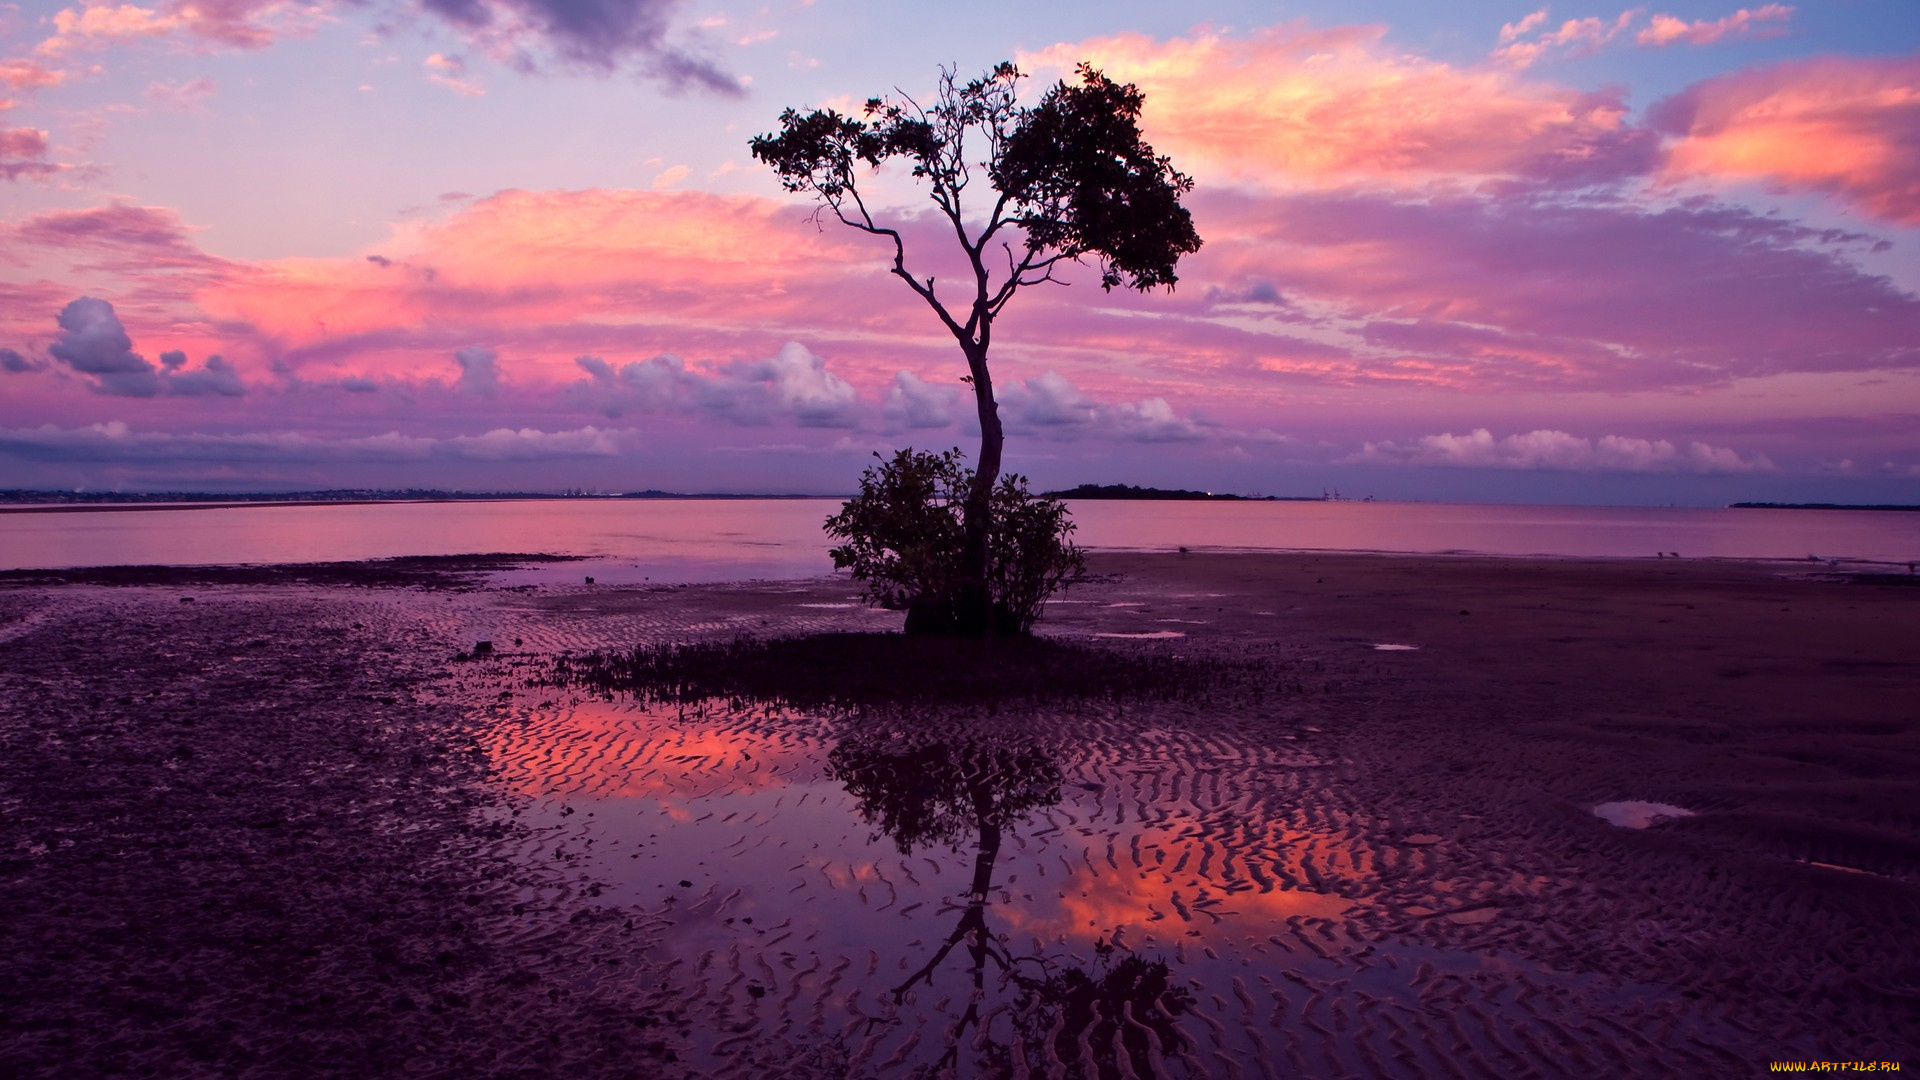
1820	506
43	502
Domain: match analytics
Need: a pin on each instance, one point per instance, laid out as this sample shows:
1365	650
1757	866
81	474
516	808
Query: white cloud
912	402
1558	450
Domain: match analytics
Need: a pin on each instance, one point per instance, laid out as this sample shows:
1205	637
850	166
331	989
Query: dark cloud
359	384
479	373
93	343
380	260
598	35
216	376
14	363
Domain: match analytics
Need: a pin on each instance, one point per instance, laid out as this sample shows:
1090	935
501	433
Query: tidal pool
976	897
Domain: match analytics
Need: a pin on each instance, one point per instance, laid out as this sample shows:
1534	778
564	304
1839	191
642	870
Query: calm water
700	540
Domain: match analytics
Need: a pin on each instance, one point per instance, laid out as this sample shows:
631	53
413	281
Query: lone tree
1068	179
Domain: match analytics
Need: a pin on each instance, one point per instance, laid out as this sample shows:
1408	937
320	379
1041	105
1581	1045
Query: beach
1449	816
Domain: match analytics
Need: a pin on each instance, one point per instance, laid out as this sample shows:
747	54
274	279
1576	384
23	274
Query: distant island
1128	491
1819	506
20	498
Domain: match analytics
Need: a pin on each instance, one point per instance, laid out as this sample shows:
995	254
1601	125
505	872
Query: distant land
1820	506
1128	491
202	500
21	499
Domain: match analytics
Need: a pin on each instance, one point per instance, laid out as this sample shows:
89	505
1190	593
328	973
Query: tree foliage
904	536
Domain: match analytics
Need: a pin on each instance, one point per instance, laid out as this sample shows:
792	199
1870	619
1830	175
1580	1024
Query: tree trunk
972	601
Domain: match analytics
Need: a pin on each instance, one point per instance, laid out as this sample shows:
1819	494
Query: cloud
1291	106
23	152
1153	420
479	372
1561	452
443	70
1053	407
216	376
1046	401
792	385
1574	37
595	35
598	36
15	364
236	24
1668	30
93	343
115	441
1478	292
1849	127
554	274
24	74
792	382
119	237
911	402
181	96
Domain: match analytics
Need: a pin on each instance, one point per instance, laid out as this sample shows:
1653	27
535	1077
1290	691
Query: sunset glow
1656	255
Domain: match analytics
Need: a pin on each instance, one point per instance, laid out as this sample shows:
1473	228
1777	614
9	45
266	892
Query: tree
900	534
1070	179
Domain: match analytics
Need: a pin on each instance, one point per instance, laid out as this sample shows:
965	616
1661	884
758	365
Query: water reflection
1115	1017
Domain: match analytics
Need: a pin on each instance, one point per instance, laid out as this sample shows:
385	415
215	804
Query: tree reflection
1082	1023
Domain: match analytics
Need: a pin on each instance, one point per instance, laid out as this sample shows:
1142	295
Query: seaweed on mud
867	671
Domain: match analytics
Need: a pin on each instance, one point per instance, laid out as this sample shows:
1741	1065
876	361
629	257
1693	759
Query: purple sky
1473	251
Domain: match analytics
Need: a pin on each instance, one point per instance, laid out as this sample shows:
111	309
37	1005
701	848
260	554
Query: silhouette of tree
1069	179
1105	1021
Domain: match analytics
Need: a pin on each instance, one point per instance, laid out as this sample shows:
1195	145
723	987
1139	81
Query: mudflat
1449	816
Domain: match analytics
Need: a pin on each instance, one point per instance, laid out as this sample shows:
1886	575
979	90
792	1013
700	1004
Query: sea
677	541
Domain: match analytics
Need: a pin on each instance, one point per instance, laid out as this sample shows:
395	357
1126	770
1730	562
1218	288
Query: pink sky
1660	254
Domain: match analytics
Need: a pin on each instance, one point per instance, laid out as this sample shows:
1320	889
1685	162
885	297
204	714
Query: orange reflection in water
1094	904
606	750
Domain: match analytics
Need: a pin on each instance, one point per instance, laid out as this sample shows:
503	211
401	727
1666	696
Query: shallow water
628	542
843	898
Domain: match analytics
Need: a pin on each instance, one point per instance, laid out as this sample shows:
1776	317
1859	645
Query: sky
1474	251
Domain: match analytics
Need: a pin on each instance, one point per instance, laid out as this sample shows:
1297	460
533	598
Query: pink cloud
238	24
1295	106
1474	291
1574	37
22	74
1667	30
1844	126
119	237
575	271
23	152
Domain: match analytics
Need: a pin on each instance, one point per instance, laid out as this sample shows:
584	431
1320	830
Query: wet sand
276	830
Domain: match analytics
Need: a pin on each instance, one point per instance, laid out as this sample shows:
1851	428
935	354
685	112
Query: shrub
903	535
